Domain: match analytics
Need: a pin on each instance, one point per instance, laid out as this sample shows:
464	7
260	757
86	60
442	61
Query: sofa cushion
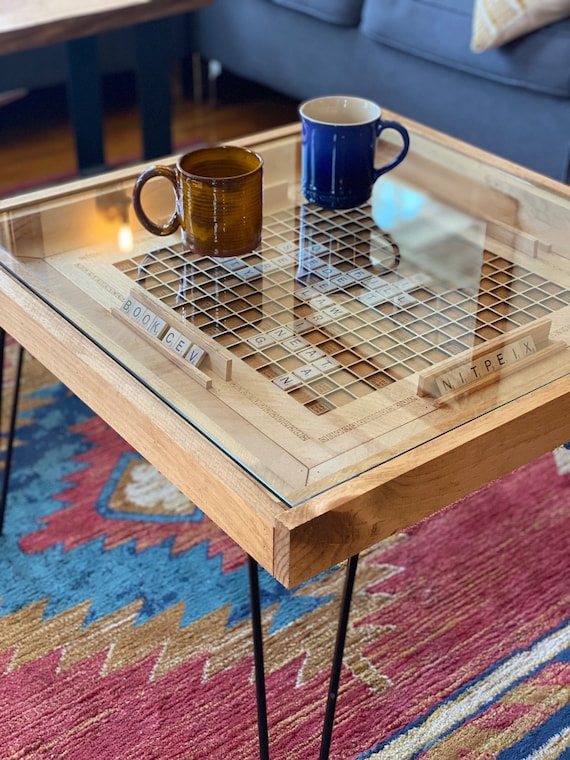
341	12
441	32
496	22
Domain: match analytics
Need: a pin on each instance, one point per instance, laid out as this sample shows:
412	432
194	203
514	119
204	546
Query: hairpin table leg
337	657
336	664
258	659
12	425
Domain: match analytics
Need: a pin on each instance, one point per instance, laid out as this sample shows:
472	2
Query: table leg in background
12	423
85	102
153	55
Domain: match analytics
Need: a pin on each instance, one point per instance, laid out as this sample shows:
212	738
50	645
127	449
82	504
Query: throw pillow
496	22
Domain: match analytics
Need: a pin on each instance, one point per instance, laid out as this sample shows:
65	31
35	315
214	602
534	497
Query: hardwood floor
36	139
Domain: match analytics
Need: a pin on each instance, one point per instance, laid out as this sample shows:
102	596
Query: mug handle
406	139
174	222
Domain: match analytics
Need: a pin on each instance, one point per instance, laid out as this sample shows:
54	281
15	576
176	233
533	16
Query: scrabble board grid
330	311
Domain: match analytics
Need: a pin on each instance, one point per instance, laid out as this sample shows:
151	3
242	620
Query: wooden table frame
293	544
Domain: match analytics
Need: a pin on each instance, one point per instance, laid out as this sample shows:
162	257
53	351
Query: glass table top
348	337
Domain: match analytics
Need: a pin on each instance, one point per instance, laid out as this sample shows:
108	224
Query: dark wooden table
28	24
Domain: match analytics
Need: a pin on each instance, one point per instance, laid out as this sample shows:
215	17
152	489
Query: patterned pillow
498	21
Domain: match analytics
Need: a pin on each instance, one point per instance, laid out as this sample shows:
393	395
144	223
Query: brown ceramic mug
218	200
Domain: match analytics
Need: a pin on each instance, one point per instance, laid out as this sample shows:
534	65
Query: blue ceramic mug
339	138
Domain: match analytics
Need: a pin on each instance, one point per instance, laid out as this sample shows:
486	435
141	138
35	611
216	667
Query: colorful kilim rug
125	627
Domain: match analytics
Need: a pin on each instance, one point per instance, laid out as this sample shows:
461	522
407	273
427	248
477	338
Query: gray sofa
411	56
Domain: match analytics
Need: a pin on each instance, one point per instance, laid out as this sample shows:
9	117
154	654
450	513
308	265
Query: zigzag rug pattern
125	629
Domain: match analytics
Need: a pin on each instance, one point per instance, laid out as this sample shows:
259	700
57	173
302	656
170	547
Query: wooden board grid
330	311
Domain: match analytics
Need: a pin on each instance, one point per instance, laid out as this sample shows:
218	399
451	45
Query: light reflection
125	238
114	207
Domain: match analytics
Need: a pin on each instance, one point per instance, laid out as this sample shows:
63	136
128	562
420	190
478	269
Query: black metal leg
85	102
4	475
337	657
12	425
154	61
336	663
258	659
2	346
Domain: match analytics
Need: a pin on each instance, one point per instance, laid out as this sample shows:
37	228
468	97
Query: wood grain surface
34	23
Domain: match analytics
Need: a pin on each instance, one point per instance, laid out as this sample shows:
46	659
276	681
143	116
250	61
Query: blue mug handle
382	125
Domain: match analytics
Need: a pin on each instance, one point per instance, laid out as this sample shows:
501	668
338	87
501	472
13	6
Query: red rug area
125	629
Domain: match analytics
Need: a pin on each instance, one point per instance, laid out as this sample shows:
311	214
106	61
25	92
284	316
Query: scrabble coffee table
359	371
